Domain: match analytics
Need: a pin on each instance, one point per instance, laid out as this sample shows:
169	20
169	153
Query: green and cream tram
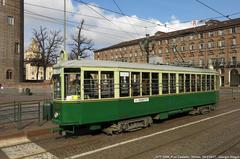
120	96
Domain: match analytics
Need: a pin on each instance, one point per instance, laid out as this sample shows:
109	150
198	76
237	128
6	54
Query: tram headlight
56	114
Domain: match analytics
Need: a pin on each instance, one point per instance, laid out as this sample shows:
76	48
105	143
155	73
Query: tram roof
117	64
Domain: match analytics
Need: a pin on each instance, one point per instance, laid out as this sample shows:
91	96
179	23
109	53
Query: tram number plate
139	100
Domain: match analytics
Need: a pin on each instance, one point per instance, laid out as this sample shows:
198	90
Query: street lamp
145	45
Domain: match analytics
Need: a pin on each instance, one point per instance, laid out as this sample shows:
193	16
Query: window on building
191	37
198	83
233	30
3	2
17	48
201	35
187	82
135	82
165	87
210	34
91	85
193	83
124	84
220	32
10	20
167	50
166	41
221	43
201	46
145	83
182	48
191	47
174	40
234	42
172	83
234	60
210	44
155	84
9	74
181	83
107	84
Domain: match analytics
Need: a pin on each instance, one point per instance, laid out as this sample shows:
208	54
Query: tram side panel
91	112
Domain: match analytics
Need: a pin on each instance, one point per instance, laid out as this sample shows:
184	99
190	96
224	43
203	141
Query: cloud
104	28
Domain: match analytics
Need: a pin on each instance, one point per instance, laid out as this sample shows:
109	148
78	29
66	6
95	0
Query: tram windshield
56	86
71	83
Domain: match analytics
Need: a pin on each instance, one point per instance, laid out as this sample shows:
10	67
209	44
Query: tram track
65	147
95	140
210	127
224	147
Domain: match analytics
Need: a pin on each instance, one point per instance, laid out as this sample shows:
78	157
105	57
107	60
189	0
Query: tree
49	43
80	45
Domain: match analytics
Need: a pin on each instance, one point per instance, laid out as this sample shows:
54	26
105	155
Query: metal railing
233	92
21	113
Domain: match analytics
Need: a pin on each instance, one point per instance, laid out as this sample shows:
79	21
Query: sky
139	17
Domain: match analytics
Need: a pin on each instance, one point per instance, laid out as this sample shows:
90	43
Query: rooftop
117	64
209	25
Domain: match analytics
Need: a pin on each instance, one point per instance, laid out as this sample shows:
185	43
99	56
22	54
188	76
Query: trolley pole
65	25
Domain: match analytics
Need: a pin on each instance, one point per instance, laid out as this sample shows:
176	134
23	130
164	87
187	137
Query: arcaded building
11	41
214	44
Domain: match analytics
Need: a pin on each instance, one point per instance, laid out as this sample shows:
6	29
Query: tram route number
139	100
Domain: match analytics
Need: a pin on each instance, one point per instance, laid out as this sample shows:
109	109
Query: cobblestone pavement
216	133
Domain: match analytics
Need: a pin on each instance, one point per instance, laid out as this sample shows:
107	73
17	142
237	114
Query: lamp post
65	25
145	46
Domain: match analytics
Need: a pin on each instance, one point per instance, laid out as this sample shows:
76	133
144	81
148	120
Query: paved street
216	133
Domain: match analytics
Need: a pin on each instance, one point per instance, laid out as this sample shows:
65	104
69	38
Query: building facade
31	70
11	41
214	44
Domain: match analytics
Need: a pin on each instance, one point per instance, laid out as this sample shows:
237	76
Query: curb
30	133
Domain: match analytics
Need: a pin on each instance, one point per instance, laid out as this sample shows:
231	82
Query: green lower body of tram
96	113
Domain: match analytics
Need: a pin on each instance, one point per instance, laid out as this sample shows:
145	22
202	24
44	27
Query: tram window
155	84
198	83
172	83
57	86
71	70
91	85
212	82
187	83
217	82
208	82
165	89
181	83
135	82
203	82
193	83
107	84
145	83
124	84
72	84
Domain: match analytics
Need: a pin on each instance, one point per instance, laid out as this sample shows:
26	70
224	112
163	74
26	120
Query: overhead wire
30	13
106	18
211	8
127	18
